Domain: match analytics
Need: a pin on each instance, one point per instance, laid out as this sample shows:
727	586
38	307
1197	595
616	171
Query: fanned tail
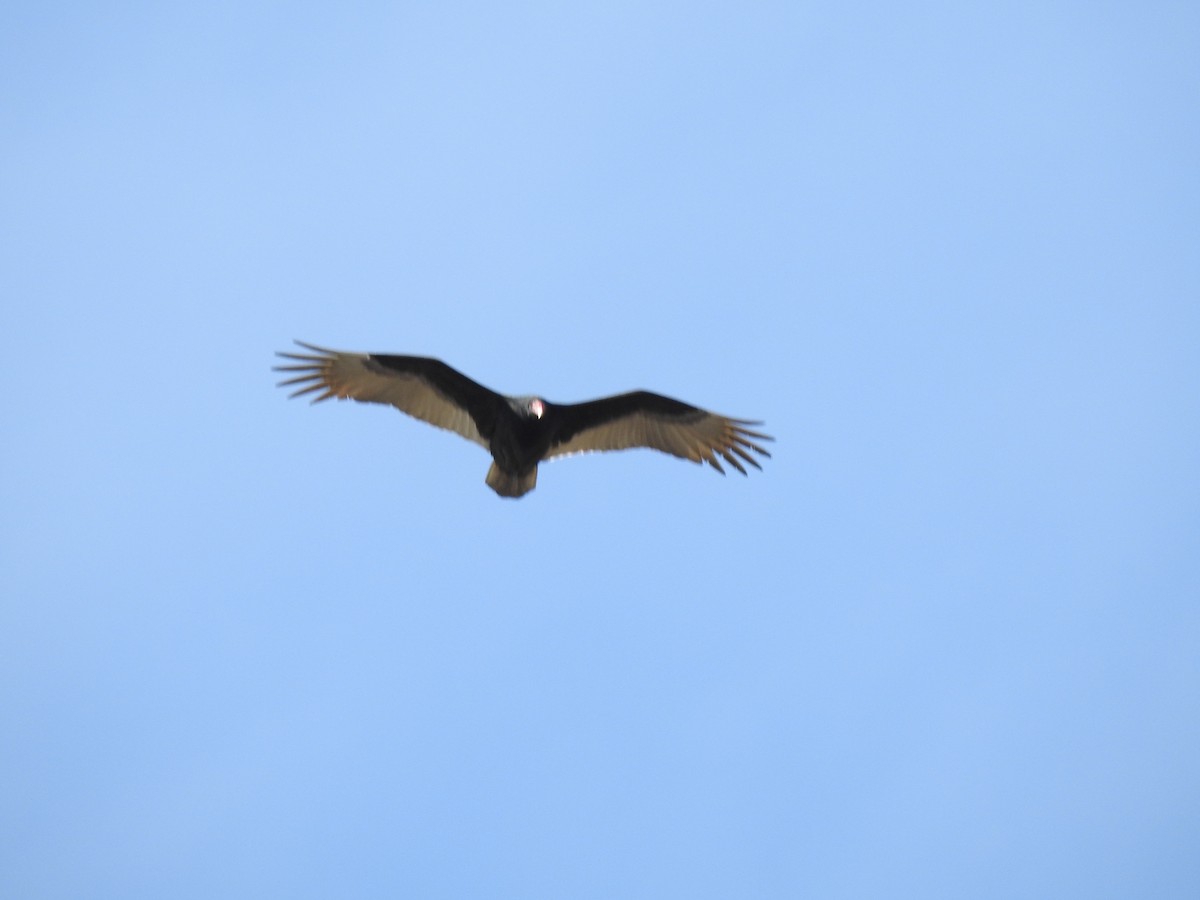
507	485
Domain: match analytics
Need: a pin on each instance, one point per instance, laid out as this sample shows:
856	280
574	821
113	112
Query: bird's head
530	407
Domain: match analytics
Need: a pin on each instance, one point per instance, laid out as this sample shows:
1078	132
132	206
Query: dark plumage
520	432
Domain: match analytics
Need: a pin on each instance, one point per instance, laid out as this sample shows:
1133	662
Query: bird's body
518	443
520	432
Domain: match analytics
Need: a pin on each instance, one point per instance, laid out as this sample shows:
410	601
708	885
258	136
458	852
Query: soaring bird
520	432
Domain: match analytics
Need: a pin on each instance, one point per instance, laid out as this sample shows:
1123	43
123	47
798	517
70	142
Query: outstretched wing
426	389
643	419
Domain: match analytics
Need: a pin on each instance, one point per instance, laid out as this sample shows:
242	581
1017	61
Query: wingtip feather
732	460
324	351
306	390
746	456
299	379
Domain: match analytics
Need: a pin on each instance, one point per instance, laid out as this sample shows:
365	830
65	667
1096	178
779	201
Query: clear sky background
947	644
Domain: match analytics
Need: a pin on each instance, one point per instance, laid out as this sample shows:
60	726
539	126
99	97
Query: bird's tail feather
507	485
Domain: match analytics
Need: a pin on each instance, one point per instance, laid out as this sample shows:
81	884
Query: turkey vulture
520	432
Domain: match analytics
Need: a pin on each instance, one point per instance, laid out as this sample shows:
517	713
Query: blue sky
947	644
